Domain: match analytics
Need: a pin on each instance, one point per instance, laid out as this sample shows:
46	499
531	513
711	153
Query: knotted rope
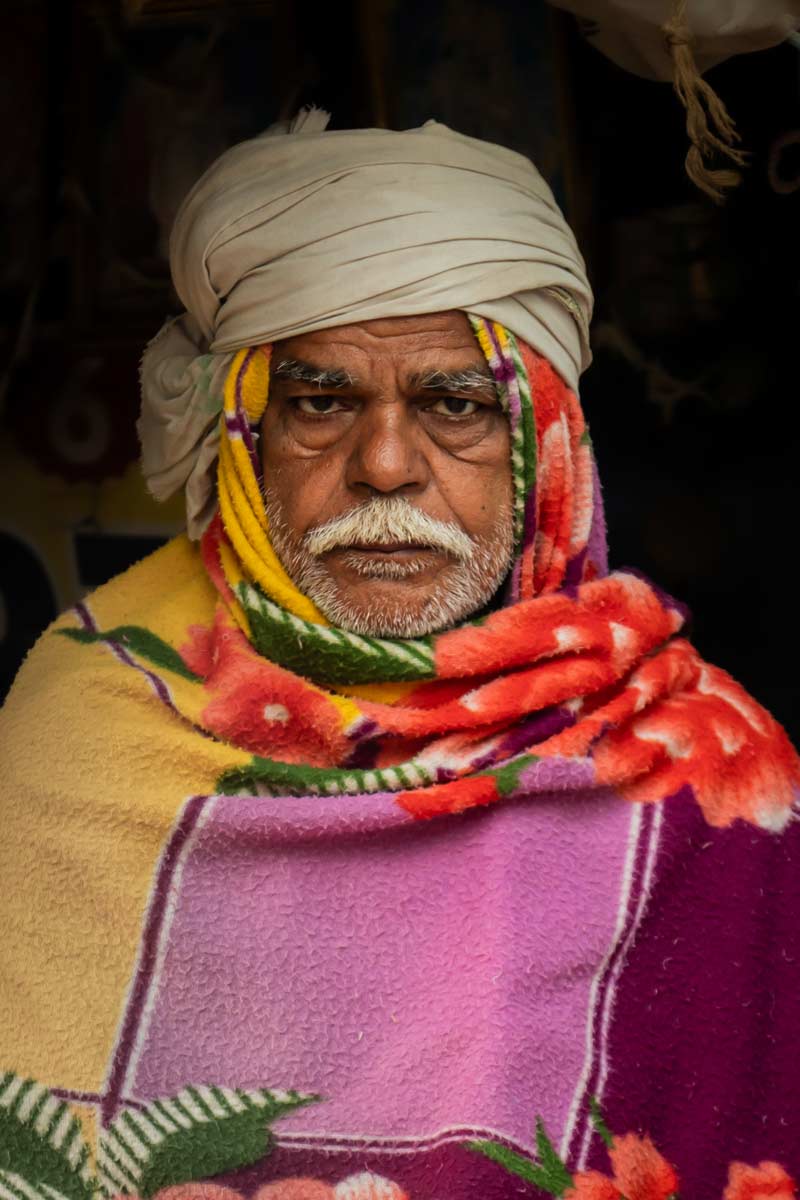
709	125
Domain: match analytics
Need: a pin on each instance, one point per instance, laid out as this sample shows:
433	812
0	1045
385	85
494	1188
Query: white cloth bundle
309	230
630	32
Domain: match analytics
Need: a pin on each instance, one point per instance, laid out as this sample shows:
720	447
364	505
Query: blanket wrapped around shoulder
319	915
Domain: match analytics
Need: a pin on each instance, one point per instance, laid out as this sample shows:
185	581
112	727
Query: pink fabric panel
420	977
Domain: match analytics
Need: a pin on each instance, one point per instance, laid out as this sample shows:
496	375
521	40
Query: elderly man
373	840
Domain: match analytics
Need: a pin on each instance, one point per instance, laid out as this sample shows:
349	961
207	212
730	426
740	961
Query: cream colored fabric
181	385
630	33
305	230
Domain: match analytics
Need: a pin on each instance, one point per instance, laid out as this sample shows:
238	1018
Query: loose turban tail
303	229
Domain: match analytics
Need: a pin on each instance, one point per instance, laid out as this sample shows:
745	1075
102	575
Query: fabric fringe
711	129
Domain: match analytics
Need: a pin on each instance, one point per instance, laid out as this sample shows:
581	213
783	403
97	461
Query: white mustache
382	521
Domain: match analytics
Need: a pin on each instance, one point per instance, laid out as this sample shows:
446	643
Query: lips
391	548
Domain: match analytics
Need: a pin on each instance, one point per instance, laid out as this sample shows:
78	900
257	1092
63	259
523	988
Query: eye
318	406
455	406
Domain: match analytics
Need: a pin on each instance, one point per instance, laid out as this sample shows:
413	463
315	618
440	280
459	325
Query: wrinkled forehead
413	350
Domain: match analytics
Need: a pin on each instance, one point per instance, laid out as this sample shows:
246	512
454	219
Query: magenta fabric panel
704	1048
428	979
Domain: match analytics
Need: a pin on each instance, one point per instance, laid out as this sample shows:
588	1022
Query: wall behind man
113	108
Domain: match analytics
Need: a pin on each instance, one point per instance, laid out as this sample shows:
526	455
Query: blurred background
112	109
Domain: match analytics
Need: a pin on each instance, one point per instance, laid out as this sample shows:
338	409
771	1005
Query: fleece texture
285	905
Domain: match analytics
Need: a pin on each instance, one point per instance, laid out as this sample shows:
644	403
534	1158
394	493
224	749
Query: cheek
478	491
305	486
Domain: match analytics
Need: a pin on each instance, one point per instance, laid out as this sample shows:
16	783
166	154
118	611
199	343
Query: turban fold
311	229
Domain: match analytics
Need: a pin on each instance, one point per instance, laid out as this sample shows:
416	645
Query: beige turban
302	229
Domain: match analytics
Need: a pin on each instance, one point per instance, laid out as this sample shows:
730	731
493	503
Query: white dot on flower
676	742
773	819
567	637
367	1186
276	712
623	638
729	739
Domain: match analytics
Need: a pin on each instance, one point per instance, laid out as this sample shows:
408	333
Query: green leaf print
558	1177
139	641
41	1141
513	1162
200	1133
549	1173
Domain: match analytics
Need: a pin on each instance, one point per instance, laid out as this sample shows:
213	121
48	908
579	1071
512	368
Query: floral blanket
299	915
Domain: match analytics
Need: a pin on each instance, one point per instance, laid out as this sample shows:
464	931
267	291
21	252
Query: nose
387	455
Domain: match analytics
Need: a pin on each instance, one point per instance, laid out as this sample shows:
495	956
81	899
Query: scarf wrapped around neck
578	680
225	906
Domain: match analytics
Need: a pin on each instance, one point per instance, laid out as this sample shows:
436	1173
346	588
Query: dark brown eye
455	406
318	406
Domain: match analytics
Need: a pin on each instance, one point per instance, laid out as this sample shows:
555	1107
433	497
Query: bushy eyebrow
471	379
300	371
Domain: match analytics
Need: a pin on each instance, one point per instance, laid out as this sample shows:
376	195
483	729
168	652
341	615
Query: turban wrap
303	229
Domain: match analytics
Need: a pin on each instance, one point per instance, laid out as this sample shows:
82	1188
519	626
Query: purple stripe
574	572
148	952
74	1097
234	423
244	426
515	408
505	373
365	728
640	856
504	369
526	736
71	1096
514	583
159	687
598	541
529	520
363	757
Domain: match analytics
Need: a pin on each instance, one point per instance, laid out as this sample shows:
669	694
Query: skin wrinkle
388	489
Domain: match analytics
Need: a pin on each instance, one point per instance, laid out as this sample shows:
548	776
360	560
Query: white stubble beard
462	588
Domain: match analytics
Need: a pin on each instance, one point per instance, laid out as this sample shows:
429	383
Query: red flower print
592	1185
259	706
449	797
640	1172
710	735
198	652
364	1186
195	1191
767	1181
296	1189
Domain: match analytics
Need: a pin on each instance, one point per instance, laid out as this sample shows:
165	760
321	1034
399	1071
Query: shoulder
71	681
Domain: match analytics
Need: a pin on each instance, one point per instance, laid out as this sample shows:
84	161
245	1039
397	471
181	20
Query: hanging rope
709	125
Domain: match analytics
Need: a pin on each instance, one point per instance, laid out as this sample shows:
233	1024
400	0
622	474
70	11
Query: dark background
111	110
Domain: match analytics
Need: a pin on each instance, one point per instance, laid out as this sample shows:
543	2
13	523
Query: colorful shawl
237	948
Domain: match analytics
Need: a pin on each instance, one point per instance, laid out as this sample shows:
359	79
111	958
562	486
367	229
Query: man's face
387	473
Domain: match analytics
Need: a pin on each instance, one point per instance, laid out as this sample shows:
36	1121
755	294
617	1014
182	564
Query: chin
394	609
411	607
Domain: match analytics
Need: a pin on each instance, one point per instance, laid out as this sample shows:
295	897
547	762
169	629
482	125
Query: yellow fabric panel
86	750
240	502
